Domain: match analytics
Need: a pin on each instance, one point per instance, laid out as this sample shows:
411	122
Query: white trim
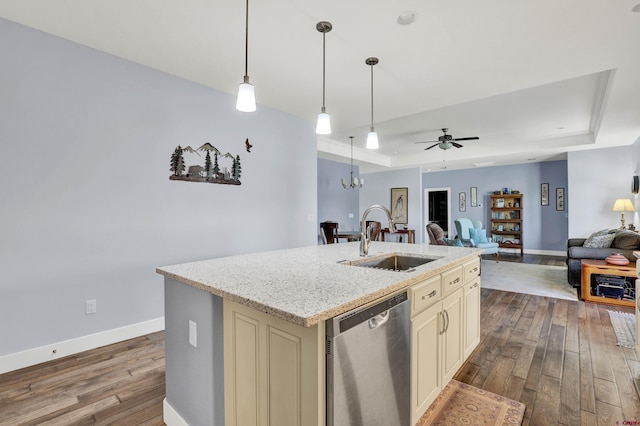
535	251
58	350
171	416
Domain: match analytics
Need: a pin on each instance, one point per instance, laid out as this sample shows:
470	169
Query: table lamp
623	205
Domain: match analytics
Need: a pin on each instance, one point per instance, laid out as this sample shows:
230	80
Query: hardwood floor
119	384
557	356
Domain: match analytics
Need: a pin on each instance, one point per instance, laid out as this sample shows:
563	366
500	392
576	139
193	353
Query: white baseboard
534	251
57	350
171	416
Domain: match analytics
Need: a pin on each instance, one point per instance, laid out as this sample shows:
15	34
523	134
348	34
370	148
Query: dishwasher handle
379	320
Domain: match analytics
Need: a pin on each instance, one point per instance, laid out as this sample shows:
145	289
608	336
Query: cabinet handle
456	281
447	321
443	323
430	295
474	269
473	286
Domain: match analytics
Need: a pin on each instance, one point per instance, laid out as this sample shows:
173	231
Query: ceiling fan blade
466	139
427	142
432	146
457	145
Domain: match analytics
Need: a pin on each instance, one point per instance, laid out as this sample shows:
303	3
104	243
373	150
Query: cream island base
245	335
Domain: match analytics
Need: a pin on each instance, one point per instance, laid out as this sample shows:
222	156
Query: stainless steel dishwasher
368	365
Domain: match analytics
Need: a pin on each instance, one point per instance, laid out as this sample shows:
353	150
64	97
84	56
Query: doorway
437	207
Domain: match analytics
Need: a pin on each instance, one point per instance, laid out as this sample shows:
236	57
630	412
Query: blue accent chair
462	227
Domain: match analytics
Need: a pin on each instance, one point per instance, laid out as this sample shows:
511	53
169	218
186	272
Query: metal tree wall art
212	172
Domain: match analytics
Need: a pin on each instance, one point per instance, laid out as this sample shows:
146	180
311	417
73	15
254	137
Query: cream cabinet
471	316
274	370
445	329
436	351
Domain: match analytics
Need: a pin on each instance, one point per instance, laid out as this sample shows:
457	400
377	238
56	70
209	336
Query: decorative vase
617	259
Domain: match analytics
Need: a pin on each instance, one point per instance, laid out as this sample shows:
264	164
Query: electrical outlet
350	215
90	307
193	334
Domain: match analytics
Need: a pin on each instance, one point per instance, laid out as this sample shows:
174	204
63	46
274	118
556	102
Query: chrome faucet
365	237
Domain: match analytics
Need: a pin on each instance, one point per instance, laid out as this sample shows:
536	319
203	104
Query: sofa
599	245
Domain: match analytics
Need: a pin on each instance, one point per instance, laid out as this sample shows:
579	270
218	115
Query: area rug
624	325
462	404
539	280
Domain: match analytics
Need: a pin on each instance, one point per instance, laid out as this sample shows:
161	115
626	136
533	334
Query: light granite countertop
307	285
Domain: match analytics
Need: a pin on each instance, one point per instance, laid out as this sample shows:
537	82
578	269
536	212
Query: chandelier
354	182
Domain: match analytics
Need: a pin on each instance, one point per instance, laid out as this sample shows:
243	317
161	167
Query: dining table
349	235
410	233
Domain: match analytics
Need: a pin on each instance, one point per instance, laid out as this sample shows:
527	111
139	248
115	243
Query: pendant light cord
246	42
323	68
372	96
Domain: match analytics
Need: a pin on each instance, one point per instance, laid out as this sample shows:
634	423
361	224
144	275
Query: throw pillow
589	242
454	243
626	240
600	241
479	236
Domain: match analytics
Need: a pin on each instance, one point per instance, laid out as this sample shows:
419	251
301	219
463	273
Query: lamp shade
372	140
323	127
246	101
623	205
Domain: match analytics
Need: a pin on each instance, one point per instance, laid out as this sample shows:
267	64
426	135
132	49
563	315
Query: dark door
438	209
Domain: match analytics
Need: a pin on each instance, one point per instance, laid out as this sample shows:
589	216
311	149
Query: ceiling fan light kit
372	137
323	126
246	101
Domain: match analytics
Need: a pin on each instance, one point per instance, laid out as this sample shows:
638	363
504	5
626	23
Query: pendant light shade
372	137
323	127
246	101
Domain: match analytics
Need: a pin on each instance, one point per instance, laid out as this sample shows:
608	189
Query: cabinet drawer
451	280
425	294
471	270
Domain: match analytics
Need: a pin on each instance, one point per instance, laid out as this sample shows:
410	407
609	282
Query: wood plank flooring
558	357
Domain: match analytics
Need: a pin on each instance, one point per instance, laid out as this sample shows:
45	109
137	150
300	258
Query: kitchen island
245	334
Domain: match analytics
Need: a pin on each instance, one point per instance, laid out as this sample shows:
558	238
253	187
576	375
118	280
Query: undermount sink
393	262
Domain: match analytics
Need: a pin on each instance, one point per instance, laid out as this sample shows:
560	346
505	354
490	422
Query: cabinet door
274	370
426	380
471	316
452	338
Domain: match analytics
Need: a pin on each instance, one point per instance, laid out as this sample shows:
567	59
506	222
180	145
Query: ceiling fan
447	141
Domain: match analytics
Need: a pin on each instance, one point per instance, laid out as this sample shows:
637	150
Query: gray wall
377	190
334	202
88	211
597	178
544	228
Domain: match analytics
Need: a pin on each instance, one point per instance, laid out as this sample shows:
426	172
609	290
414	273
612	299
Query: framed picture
559	198
399	203
544	194
463	201
474	196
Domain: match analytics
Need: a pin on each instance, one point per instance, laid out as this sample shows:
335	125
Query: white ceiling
531	79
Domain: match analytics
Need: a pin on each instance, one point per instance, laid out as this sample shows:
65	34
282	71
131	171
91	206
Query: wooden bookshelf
506	220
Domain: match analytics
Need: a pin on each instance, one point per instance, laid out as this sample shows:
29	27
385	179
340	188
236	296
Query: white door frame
426	210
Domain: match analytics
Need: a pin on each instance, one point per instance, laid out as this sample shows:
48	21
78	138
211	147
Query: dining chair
376	228
329	232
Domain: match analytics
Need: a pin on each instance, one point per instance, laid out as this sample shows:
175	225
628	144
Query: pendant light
354	182
323	127
372	137
246	101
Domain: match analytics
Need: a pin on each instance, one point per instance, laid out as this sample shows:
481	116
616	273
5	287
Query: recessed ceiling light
636	8
406	18
560	128
531	159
